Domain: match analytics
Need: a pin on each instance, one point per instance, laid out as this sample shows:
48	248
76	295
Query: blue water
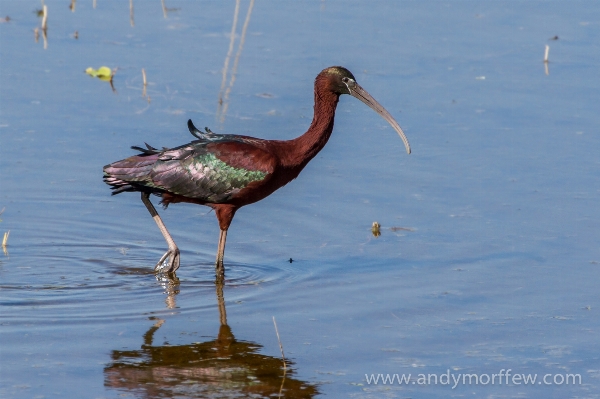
488	257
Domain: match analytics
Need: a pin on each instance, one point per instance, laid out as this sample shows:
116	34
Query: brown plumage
227	172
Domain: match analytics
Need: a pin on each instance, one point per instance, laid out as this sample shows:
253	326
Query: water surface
488	257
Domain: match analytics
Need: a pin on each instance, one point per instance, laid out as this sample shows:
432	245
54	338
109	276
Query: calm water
488	257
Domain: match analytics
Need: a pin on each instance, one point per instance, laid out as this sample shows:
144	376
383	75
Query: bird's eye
345	80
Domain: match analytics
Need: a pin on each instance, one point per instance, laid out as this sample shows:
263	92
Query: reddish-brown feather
244	155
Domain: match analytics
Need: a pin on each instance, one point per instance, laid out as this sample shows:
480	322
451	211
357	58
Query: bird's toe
169	262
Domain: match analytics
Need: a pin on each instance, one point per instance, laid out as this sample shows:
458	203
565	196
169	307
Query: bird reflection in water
223	368
171	286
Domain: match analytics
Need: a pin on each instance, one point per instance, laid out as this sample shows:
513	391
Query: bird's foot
169	262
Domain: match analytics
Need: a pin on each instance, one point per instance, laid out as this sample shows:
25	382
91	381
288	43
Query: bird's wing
211	172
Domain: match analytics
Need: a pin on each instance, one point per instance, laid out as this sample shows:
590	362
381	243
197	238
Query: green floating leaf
104	73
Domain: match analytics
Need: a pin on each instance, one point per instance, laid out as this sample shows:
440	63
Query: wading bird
226	171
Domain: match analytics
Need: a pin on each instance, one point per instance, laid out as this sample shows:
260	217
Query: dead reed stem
164	8
237	60
44	17
44	25
546	60
228	57
280	346
131	13
5	239
145	82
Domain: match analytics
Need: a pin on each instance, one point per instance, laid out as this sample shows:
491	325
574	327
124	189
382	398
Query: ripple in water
89	284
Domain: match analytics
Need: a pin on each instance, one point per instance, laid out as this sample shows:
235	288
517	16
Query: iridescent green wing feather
194	171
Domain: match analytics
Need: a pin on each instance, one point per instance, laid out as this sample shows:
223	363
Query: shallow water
488	257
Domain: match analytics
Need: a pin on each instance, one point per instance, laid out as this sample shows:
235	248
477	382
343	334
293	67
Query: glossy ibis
226	171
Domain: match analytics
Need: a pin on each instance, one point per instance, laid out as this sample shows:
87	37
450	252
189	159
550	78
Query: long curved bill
365	97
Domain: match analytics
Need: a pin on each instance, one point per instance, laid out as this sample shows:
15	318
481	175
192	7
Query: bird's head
339	80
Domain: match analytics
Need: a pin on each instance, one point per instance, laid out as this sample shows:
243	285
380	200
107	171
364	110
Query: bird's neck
299	151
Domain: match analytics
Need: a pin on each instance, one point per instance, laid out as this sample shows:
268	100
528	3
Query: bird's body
227	172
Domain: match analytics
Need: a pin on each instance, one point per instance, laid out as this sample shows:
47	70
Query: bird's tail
131	174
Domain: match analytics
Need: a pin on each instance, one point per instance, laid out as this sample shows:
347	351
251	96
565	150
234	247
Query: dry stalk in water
131	13
546	60
144	81
44	18
280	346
164	8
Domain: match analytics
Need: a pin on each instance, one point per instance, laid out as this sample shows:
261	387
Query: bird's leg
221	302
172	254
219	268
225	215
